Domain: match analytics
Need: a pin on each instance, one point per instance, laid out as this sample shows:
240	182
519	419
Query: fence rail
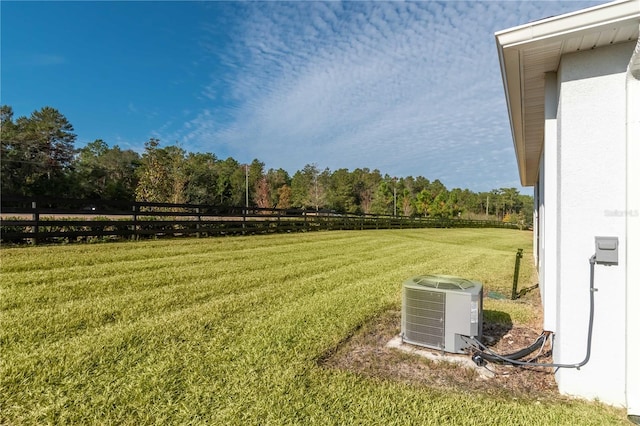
46	220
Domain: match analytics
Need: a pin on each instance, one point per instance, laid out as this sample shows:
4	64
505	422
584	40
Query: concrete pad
438	356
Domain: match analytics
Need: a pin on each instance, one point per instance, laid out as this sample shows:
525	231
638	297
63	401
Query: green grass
229	330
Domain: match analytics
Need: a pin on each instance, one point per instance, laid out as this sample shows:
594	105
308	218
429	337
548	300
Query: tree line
39	158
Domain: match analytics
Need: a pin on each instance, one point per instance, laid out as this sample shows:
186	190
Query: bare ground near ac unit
366	353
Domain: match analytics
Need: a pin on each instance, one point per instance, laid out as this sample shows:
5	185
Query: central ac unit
438	309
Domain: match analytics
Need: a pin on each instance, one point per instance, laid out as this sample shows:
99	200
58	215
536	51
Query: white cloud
409	88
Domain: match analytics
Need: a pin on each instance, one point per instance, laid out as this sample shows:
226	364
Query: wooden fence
41	220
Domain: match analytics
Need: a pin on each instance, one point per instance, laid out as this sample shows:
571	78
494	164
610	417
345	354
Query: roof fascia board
510	65
571	24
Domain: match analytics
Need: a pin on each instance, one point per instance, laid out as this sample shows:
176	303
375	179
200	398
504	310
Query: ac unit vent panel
425	313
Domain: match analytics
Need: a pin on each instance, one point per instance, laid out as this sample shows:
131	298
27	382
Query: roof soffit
529	51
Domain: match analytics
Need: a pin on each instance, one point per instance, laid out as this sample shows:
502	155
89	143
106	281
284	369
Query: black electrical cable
490	357
592	262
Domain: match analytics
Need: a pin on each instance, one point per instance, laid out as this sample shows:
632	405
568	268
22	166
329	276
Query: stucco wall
591	186
548	271
632	216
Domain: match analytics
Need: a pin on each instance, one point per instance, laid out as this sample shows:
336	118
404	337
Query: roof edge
561	25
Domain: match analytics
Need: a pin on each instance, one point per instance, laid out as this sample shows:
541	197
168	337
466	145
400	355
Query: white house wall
591	183
549	177
632	216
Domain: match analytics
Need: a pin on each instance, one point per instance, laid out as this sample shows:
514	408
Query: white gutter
571	24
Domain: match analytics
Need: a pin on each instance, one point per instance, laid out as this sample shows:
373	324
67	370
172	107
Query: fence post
135	209
198	224
36	219
516	272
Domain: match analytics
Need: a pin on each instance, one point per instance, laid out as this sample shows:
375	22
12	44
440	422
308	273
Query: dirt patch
366	353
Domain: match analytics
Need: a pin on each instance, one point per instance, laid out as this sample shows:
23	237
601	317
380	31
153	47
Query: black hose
480	355
512	356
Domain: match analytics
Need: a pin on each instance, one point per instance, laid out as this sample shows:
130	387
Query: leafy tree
308	187
103	172
423	202
340	194
153	183
320	189
421	183
202	176
510	199
38	158
162	174
438	207
13	165
276	179
436	187
239	184
6	116
37	152
227	191
526	208
365	183
407	203
383	198
284	197
92	176
468	202
454	207
261	196
256	174
177	173
301	184
122	165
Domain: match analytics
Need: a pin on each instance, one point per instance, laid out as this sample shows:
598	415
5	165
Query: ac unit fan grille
424	317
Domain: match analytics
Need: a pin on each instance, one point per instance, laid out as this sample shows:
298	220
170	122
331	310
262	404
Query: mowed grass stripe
167	298
188	346
81	317
114	279
141	336
69	256
177	292
53	287
149	260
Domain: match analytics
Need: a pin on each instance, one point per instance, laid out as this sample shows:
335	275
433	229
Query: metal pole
516	272
315	185
246	186
487	206
394	197
246	197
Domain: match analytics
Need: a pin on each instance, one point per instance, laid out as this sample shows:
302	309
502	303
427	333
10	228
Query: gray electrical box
607	250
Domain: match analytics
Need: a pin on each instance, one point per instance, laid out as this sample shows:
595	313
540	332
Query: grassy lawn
230	330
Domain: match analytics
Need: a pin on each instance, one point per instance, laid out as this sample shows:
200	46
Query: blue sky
406	88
